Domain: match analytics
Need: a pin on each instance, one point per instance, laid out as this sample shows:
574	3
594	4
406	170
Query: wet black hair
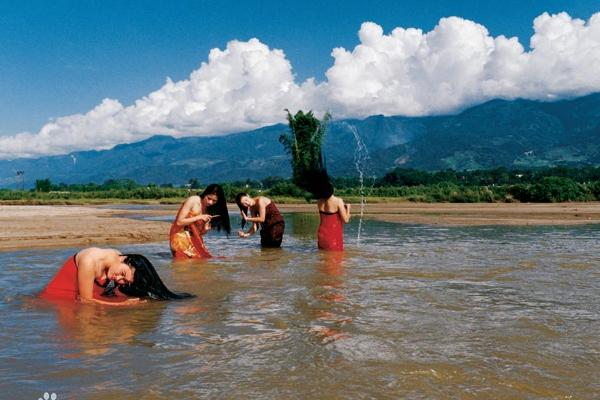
317	181
146	282
244	209
219	208
322	188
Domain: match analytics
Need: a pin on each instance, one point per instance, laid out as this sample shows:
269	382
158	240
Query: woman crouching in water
105	276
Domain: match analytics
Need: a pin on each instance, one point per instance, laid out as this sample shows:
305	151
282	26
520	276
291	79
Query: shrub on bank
557	184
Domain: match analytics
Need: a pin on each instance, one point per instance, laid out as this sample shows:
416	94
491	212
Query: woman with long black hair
264	212
196	216
105	276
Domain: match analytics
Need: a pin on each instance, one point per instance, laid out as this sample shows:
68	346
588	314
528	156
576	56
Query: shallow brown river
415	312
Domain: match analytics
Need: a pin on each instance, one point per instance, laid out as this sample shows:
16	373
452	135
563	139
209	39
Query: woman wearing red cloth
87	275
263	211
334	214
196	216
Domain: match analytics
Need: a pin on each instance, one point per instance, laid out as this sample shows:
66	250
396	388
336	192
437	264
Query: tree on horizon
304	143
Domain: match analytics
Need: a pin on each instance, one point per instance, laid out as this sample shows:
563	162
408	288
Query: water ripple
407	311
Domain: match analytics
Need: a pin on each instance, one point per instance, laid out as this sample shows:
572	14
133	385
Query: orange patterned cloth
186	241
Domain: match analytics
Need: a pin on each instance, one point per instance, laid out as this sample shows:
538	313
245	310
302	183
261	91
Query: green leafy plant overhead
304	143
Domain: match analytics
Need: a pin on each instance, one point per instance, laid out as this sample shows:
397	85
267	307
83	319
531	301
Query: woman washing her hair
334	213
196	216
263	211
86	277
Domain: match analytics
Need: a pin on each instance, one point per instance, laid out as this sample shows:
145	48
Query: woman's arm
183	220
85	279
127	302
86	274
250	232
344	211
261	213
254	226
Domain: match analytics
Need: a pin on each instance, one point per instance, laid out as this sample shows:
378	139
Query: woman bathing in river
334	213
262	211
196	216
87	277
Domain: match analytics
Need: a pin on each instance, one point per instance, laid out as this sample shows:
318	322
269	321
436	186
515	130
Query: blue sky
72	71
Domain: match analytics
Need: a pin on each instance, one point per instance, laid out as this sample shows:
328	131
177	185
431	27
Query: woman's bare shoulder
334	201
96	252
263	200
193	199
89	251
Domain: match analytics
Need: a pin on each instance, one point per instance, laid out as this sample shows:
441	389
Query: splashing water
361	155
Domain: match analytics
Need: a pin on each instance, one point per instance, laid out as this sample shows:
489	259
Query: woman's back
329	206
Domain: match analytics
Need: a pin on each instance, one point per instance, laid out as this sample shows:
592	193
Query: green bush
554	189
556	184
285	189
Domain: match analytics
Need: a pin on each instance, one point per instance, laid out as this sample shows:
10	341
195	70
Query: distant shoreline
61	226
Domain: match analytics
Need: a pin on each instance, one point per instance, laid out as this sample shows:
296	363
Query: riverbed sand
33	226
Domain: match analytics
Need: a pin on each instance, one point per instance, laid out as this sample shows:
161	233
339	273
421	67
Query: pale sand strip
26	227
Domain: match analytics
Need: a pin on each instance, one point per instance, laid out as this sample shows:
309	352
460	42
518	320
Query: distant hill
519	133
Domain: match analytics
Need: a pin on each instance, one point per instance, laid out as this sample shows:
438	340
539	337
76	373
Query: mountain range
516	134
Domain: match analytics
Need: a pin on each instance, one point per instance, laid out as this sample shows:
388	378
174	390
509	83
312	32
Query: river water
409	311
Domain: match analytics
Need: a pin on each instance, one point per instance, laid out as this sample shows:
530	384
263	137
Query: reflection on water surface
412	312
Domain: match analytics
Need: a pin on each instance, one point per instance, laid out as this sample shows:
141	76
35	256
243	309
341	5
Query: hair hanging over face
318	182
323	188
146	282
243	208
219	208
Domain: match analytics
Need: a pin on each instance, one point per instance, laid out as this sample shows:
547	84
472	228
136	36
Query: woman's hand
131	301
244	216
135	300
204	217
241	234
128	302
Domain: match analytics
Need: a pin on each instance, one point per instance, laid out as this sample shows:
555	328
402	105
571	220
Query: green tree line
558	184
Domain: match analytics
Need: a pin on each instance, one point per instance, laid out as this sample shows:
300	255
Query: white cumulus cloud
406	72
458	65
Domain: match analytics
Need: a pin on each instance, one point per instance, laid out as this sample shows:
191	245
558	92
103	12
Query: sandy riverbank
23	227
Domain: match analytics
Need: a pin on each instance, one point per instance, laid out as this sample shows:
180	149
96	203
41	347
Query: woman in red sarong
334	214
263	211
196	216
86	277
